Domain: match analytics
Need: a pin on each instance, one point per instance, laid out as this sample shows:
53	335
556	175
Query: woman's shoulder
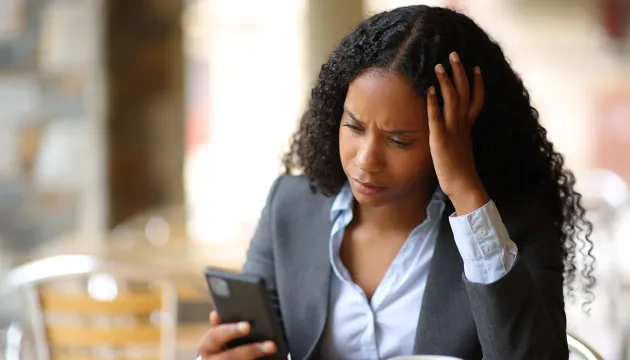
296	191
293	184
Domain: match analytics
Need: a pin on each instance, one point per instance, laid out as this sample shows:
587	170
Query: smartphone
240	297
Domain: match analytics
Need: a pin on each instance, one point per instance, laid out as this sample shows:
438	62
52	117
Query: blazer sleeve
521	316
260	255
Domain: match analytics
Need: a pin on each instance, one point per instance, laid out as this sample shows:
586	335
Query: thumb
214	319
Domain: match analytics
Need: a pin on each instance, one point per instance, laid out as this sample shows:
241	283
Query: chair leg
14	337
624	352
168	324
38	322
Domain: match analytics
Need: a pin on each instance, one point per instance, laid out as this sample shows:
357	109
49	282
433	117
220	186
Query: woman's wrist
469	200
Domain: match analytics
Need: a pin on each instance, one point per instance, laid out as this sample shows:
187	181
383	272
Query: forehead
385	97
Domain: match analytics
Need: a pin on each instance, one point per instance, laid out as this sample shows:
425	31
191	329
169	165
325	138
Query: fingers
215	339
214	318
212	345
460	108
450	97
436	123
476	104
462	87
248	352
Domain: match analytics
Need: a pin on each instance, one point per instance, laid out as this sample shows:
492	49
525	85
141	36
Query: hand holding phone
213	345
249	327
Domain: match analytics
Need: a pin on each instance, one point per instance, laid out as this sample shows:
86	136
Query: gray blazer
520	316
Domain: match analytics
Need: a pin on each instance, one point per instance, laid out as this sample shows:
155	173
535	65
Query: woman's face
384	139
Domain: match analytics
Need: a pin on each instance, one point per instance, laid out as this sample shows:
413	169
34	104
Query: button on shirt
358	329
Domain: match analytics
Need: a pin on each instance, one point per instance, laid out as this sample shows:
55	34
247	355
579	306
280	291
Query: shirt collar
344	199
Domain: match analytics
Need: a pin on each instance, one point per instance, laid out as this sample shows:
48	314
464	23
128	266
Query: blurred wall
259	61
328	21
51	120
251	60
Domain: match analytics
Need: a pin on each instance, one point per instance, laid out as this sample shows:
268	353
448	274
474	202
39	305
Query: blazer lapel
310	281
445	308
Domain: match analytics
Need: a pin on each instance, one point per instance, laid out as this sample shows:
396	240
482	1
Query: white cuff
484	244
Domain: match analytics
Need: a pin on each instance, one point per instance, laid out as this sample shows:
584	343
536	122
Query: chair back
84	308
76	324
581	349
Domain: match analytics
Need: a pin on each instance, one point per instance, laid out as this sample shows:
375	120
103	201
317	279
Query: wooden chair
133	319
68	341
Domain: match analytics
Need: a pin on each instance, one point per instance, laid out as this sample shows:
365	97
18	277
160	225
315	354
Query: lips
367	188
368	184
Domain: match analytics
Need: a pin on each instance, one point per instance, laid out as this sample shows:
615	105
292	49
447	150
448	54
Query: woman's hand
450	136
212	345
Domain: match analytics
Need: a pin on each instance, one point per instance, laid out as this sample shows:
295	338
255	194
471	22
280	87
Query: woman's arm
521	315
260	258
516	300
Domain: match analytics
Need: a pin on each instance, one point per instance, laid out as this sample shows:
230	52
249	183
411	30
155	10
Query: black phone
240	297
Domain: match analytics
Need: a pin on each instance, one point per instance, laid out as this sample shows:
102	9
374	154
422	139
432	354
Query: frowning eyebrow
351	115
392	132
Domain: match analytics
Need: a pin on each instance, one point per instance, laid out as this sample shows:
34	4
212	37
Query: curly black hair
512	153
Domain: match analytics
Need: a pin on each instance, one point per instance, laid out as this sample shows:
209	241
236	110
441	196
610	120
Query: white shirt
385	327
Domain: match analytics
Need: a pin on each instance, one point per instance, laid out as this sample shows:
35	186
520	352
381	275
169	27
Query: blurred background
138	140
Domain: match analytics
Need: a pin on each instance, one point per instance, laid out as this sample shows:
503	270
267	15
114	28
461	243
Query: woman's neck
403	215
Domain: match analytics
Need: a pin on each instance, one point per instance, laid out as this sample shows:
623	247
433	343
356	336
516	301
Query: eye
398	143
353	127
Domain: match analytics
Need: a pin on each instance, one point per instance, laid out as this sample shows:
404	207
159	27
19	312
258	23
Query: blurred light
102	287
243	42
622	240
252	10
604	184
156	317
157	231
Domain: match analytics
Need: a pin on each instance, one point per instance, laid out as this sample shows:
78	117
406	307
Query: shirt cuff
484	244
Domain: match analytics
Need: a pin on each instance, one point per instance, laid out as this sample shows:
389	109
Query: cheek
411	165
347	147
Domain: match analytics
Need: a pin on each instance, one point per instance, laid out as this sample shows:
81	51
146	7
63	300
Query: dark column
145	121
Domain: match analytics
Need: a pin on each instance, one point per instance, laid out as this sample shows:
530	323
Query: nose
369	157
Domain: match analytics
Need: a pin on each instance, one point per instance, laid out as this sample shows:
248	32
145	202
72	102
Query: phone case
247	300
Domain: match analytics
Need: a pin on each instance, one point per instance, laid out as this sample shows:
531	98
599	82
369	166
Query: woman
433	216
